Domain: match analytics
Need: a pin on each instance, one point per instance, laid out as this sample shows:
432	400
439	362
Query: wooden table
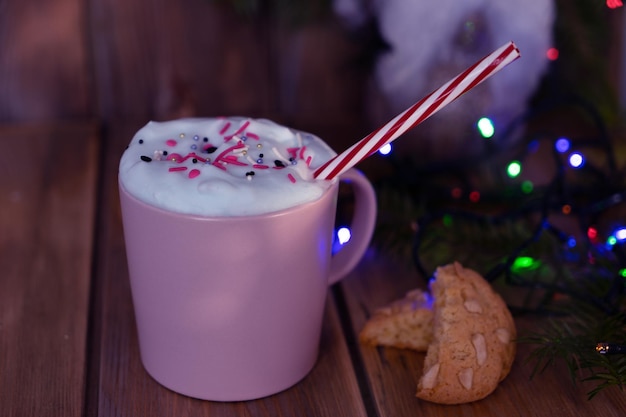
68	344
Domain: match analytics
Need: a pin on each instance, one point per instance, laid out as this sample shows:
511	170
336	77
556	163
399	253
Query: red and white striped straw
419	112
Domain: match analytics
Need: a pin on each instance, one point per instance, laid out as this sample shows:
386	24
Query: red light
614	4
552	54
592	233
474	196
457	192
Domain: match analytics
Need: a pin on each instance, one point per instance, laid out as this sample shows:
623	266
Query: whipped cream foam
231	166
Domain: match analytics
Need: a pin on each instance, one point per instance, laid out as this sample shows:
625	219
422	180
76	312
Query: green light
612	240
622	272
527	187
525	263
447	220
514	169
485	127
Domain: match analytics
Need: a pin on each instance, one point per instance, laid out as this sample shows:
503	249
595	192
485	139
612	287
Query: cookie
406	323
473	344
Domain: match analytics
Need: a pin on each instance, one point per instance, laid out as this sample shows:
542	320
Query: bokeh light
576	160
343	235
514	169
525	263
385	149
562	145
527	187
486	127
552	54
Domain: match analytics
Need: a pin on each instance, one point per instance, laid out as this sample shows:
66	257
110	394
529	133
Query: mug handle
361	227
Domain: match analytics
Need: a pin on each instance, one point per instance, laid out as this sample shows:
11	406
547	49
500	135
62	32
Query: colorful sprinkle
146	158
170	142
259	166
175	157
293	152
279	155
291	178
225	128
194	173
279	164
231	159
175	169
242	128
209	149
252	135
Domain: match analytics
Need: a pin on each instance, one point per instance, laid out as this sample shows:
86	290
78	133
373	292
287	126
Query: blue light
343	235
562	145
571	242
385	149
485	127
576	160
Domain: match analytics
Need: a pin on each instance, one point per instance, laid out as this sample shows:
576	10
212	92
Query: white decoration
433	41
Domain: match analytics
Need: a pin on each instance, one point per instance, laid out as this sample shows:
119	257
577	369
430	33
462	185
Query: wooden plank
47	199
393	373
174	59
44	72
320	79
120	386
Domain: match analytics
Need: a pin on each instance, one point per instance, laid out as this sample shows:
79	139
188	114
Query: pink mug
231	308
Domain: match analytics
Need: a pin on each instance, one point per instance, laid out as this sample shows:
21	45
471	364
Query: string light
576	160
385	149
514	169
474	196
527	187
592	233
562	145
485	127
343	235
552	54
525	263
614	4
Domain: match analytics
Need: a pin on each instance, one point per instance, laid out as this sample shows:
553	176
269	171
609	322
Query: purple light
562	145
